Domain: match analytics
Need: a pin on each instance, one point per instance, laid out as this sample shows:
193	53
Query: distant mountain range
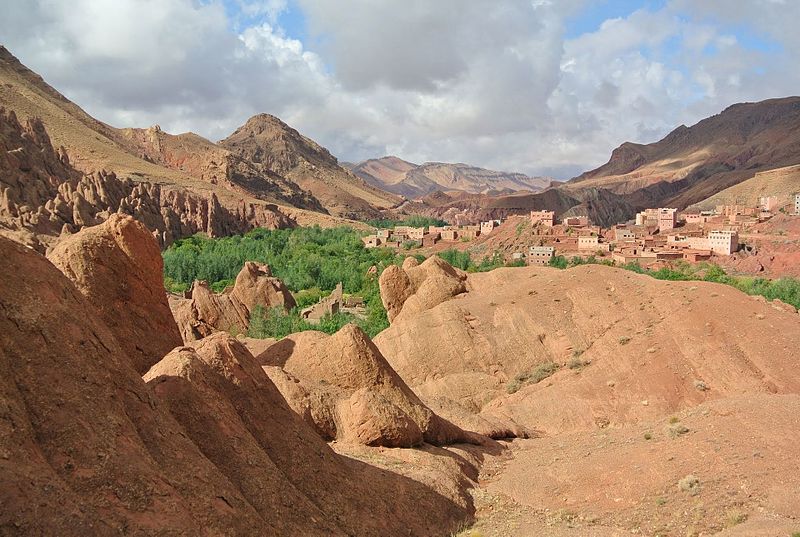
416	180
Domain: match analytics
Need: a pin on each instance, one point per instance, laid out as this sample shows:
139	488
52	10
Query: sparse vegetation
690	484
784	289
700	385
538	374
648	436
734	517
624	340
676	429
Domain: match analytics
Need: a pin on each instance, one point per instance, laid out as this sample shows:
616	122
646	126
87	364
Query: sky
543	87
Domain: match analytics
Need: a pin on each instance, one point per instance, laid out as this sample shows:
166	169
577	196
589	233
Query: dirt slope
693	163
629	338
661	408
613	482
781	182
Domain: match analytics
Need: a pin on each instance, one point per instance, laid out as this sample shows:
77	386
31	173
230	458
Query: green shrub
538	374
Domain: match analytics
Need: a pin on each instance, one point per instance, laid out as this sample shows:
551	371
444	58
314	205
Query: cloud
490	83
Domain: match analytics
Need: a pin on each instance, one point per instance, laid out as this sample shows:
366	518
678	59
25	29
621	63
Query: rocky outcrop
206	447
344	387
215	165
554	351
42	197
415	288
117	266
205	312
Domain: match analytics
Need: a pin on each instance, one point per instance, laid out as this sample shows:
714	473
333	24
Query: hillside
199	158
269	142
626	385
182	166
693	163
413	181
203	443
601	205
781	182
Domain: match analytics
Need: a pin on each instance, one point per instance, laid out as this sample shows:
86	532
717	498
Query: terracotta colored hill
693	163
204	312
772	249
198	157
411	180
43	197
732	473
611	347
344	387
413	288
208	446
602	206
117	266
269	142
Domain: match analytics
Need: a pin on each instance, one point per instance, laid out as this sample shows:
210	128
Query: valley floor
633	480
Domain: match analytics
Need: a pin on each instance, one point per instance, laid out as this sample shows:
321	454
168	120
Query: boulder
117	266
418	287
206	312
343	386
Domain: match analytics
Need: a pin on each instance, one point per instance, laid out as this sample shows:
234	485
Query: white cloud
486	82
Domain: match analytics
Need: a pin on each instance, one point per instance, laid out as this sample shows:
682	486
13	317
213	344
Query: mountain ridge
693	163
417	180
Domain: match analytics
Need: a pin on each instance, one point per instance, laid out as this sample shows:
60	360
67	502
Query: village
655	236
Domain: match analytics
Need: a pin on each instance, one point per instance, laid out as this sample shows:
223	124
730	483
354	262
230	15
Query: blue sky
539	86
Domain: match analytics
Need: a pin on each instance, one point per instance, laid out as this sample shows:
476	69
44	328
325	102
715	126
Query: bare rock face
206	447
415	288
537	349
255	286
207	312
42	197
344	387
85	449
117	266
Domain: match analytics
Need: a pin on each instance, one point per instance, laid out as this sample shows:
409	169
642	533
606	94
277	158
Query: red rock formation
414	288
344	387
117	266
43	197
207	448
206	312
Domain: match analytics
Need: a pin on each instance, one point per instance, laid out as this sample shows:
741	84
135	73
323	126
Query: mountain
193	179
272	144
413	181
693	163
194	155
